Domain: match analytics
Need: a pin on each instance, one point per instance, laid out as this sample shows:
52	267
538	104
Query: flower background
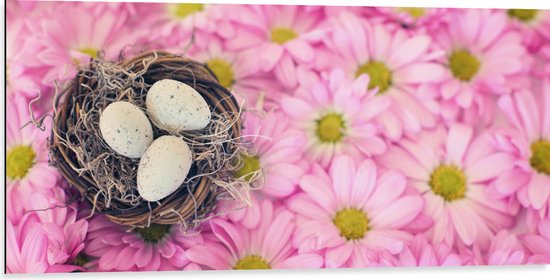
391	136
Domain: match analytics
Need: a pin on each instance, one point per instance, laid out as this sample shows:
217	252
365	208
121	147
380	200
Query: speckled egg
175	107
163	167
126	129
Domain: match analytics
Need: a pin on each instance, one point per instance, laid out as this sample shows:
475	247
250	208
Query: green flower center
223	70
379	74
331	128
415	13
449	182
281	35
540	156
524	15
464	65
154	233
352	223
252	262
249	166
182	10
18	161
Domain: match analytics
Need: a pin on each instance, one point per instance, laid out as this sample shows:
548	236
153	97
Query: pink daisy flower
353	212
49	239
27	167
396	63
483	55
534	26
18	78
276	153
421	253
119	248
174	23
68	42
281	37
529	114
237	71
539	243
267	246
413	17
452	168
505	249
337	114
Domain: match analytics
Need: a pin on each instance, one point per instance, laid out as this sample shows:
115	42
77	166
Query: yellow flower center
91	52
540	156
352	223
80	259
19	161
223	70
154	233
449	182
463	65
379	74
281	35
524	15
331	128
252	262
182	10
415	13
249	166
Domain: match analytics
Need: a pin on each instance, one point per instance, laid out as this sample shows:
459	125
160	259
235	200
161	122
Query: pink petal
457	141
319	191
489	167
419	73
300	50
278	235
301	261
398	213
336	257
538	190
409	51
272	53
295	107
463	223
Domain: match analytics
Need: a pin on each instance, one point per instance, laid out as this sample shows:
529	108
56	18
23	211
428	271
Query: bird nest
107	180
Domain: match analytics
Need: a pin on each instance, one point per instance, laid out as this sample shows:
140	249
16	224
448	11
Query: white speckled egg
163	167
126	129
175	106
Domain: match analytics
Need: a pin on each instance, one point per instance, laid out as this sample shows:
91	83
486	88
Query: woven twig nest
107	180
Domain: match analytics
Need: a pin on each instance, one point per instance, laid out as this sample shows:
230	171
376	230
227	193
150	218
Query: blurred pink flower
483	55
281	37
420	252
337	114
238	71
47	238
534	26
264	247
171	25
65	43
413	17
353	212
276	150
505	249
23	76
396	63
528	112
452	168
539	243
120	248
27	167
